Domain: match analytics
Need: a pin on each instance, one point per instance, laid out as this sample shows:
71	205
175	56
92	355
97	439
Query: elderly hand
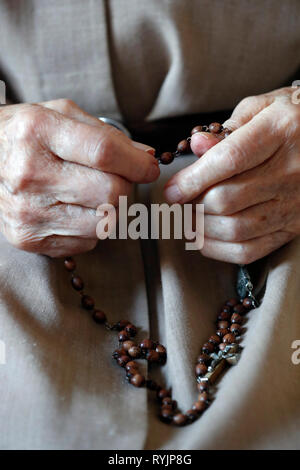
249	182
57	165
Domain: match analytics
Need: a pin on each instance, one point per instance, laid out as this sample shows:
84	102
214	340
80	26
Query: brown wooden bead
69	264
222	325
132	365
179	419
166	414
232	302
166	158
222	346
215	127
236	318
131	329
222	332
192	415
203	386
224	316
199	406
196	129
77	283
200	369
138	380
215	339
152	356
161	350
226	308
203	396
239	308
247	303
236	329
163	393
203	358
121	325
119	352
183	146
123	360
135	352
152	385
128	344
87	302
146	344
99	316
229	338
123	336
170	402
208	348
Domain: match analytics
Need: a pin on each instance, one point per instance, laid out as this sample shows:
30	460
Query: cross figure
230	355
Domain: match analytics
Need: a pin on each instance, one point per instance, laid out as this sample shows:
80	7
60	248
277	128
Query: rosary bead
208	348
224	316
128	344
137	380
152	356
222	346
222	332
166	414
123	336
222	325
202	386
203	396
161	350
239	308
132	365
196	129
77	283
203	358
134	352
215	339
166	158
151	385
200	370
199	406
232	302
179	419
99	316
226	309
119	352
192	415
131	371
229	338
87	302
183	146
121	325
123	360
215	127
236	318
146	344
247	303
131	329
169	401
236	329
69	264
162	393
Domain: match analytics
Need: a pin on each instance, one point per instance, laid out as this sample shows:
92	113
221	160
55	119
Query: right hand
57	165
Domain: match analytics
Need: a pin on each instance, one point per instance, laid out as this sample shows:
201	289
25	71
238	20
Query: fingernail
173	193
143	147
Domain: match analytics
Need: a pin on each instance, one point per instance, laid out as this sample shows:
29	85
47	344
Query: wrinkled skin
57	165
249	182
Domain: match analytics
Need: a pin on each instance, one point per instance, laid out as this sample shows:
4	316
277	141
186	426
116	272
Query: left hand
249	182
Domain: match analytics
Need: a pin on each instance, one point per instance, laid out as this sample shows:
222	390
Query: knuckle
101	152
66	105
219	200
26	121
235	229
23	174
245	254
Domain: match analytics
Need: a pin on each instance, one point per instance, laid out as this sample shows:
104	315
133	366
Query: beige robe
145	59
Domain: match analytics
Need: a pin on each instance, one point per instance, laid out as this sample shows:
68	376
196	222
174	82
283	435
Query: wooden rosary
221	348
